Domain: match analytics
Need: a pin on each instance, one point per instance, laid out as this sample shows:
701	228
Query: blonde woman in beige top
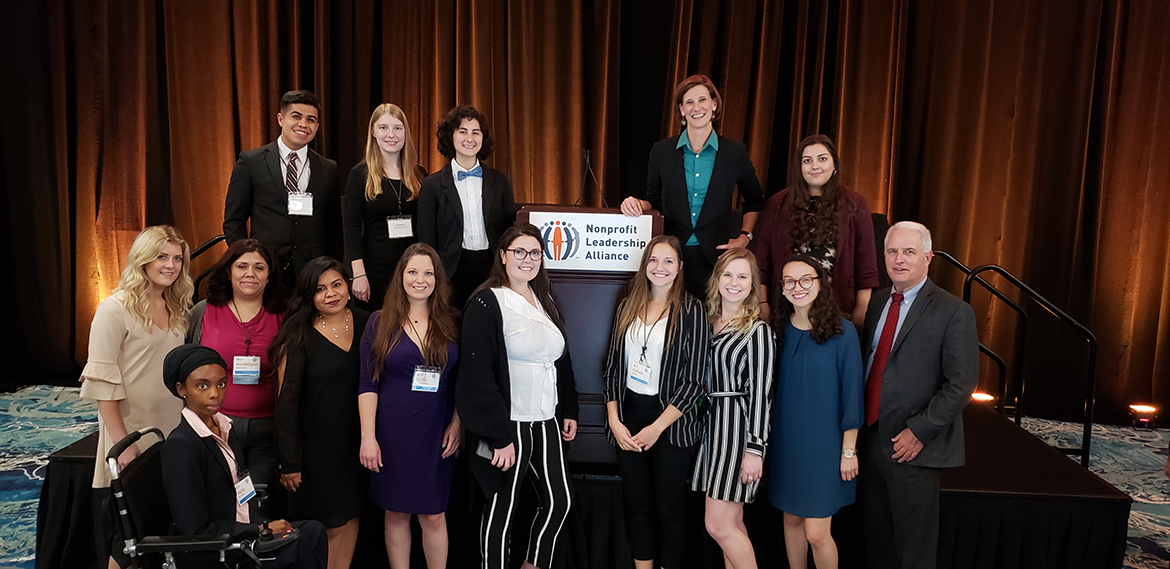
132	331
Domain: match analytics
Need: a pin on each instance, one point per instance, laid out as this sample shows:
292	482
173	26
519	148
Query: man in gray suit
922	364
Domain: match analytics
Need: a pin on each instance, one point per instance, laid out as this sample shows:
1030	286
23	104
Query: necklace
335	333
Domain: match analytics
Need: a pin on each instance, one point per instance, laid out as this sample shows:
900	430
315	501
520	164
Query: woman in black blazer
465	207
691	179
654	374
200	472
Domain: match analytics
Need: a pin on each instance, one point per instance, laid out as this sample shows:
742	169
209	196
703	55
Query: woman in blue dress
410	430
819	409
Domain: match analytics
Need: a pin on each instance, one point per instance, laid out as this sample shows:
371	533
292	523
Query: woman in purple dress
410	431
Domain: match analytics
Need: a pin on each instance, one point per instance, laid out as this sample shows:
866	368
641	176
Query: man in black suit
922	364
288	191
465	207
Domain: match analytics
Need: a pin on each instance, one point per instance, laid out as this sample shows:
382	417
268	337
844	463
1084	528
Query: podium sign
592	241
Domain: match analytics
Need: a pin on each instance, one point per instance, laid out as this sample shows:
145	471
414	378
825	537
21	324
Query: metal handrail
199	251
1090	376
999	365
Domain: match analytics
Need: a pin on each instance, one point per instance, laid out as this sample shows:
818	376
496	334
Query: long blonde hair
749	311
135	285
639	295
407	157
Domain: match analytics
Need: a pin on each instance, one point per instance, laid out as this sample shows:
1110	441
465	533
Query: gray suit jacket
932	371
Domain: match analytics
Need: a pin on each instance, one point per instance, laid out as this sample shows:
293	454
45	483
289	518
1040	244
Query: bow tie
476	172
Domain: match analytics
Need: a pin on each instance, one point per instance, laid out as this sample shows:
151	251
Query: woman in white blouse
516	396
132	331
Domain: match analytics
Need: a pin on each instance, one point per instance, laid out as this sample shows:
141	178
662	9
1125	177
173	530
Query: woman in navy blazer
465	207
200	472
691	180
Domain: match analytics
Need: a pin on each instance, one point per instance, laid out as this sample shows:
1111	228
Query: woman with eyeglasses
517	399
818	412
817	216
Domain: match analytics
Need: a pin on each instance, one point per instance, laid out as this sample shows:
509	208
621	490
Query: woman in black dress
317	430
380	204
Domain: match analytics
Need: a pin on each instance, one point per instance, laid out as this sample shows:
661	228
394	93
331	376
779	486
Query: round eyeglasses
520	254
805	282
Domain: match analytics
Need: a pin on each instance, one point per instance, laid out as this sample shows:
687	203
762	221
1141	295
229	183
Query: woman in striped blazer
740	379
653	376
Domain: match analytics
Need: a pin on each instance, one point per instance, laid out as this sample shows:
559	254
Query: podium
590	255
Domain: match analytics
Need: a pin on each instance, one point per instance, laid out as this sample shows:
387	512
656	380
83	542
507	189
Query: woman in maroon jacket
817	216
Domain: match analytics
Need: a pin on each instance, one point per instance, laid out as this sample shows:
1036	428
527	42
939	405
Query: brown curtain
1030	133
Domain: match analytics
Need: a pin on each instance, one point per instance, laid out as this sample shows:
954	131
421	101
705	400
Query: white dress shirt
534	344
638	334
302	165
471	196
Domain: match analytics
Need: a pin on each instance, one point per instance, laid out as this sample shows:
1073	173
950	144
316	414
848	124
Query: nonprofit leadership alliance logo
561	240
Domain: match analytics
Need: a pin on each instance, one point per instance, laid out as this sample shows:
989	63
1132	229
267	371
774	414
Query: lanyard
397	194
247	333
649	331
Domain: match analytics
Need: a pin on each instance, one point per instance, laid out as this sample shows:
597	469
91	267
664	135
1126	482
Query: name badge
300	204
426	378
246	370
640	373
398	226
245	490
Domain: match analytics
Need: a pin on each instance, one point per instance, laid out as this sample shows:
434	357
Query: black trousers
696	271
540	456
472	271
654	484
899	508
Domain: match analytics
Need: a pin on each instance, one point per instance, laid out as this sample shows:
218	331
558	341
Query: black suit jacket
440	213
200	491
257	191
932	371
666	190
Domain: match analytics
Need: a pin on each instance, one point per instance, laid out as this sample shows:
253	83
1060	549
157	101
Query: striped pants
541	456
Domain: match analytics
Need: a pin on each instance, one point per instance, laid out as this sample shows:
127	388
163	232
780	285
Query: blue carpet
38	420
34	422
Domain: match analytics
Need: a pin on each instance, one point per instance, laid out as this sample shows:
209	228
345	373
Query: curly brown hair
450	123
824	315
814	228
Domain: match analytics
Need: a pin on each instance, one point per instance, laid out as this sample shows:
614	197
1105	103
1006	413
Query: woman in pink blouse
243	311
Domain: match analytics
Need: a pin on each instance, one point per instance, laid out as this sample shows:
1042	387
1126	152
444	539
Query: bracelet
356	277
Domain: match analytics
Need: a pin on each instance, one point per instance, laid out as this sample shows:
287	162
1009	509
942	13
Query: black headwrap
183	360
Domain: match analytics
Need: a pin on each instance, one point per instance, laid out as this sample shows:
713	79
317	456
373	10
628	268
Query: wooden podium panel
588	300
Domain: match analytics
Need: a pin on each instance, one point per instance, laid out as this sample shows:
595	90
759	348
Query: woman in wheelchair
207	490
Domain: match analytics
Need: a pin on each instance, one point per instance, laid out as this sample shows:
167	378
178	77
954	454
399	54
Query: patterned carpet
37	420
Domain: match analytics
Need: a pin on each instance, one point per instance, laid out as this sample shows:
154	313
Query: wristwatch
749	234
848	453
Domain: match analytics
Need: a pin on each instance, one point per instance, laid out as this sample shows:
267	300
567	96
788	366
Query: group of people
339	384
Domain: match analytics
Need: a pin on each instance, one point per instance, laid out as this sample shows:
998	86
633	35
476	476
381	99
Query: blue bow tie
476	172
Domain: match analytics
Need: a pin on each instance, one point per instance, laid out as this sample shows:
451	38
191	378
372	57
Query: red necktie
291	178
873	382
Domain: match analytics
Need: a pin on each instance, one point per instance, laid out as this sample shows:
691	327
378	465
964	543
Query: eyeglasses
520	254
805	282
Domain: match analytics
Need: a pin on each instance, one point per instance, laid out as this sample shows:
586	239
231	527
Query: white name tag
246	370
398	226
640	373
426	378
245	490
300	204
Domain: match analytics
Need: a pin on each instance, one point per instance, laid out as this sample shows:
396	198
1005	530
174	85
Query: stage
1017	503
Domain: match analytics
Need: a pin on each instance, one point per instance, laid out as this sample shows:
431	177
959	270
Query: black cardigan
482	391
682	375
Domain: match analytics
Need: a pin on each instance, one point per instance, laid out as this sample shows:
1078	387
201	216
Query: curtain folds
1030	134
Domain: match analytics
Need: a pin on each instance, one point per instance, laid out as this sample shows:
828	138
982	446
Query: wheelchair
144	517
